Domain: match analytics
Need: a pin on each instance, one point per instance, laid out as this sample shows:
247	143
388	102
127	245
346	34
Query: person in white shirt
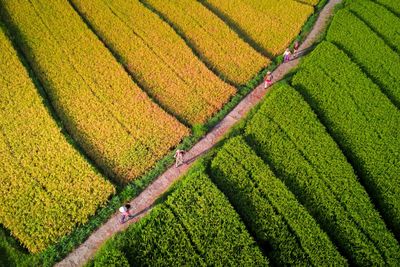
179	157
286	55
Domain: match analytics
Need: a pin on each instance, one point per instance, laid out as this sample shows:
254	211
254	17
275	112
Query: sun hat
122	209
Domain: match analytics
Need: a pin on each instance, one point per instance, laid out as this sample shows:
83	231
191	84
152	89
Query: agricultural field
148	48
312	172
383	22
375	57
269	25
195	225
97	95
268	208
218	44
49	192
392	5
361	118
287	134
108	115
291	185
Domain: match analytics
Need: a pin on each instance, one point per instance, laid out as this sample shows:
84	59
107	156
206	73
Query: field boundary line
236	28
143	203
119	59
189	43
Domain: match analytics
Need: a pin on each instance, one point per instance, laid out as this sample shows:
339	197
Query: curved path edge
143	203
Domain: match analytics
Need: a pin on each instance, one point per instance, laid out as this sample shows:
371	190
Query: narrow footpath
142	204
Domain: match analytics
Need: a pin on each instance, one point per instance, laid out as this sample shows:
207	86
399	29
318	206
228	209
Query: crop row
218	44
382	21
362	120
44	194
195	226
392	5
374	56
159	59
271	24
287	134
108	115
310	2
290	234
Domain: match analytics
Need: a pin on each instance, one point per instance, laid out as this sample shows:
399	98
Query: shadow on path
145	201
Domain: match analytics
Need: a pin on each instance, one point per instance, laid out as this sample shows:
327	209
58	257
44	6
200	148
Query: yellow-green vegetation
46	187
271	24
392	5
102	108
379	19
195	226
376	58
270	210
215	41
158	58
310	2
361	118
286	133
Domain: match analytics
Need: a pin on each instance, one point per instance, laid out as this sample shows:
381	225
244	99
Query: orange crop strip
212	39
158	58
44	194
271	24
103	109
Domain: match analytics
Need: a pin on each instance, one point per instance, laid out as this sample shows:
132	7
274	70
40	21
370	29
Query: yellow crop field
102	108
44	194
97	93
271	24
160	60
310	2
218	44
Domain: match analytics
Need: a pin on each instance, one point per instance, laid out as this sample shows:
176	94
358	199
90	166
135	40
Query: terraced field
352	104
178	230
158	58
269	25
218	44
115	122
95	94
313	172
38	185
376	58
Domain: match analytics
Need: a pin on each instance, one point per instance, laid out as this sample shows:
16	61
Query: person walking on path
179	157
268	79
286	55
126	212
295	48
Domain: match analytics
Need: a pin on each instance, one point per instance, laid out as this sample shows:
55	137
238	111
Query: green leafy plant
195	225
289	137
362	121
376	59
279	222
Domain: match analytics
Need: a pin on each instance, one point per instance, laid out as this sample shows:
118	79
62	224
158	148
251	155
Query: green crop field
195	225
96	95
313	172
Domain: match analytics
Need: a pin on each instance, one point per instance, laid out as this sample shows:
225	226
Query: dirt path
142	204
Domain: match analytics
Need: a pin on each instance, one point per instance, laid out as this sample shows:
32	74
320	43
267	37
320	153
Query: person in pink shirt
268	79
126	212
